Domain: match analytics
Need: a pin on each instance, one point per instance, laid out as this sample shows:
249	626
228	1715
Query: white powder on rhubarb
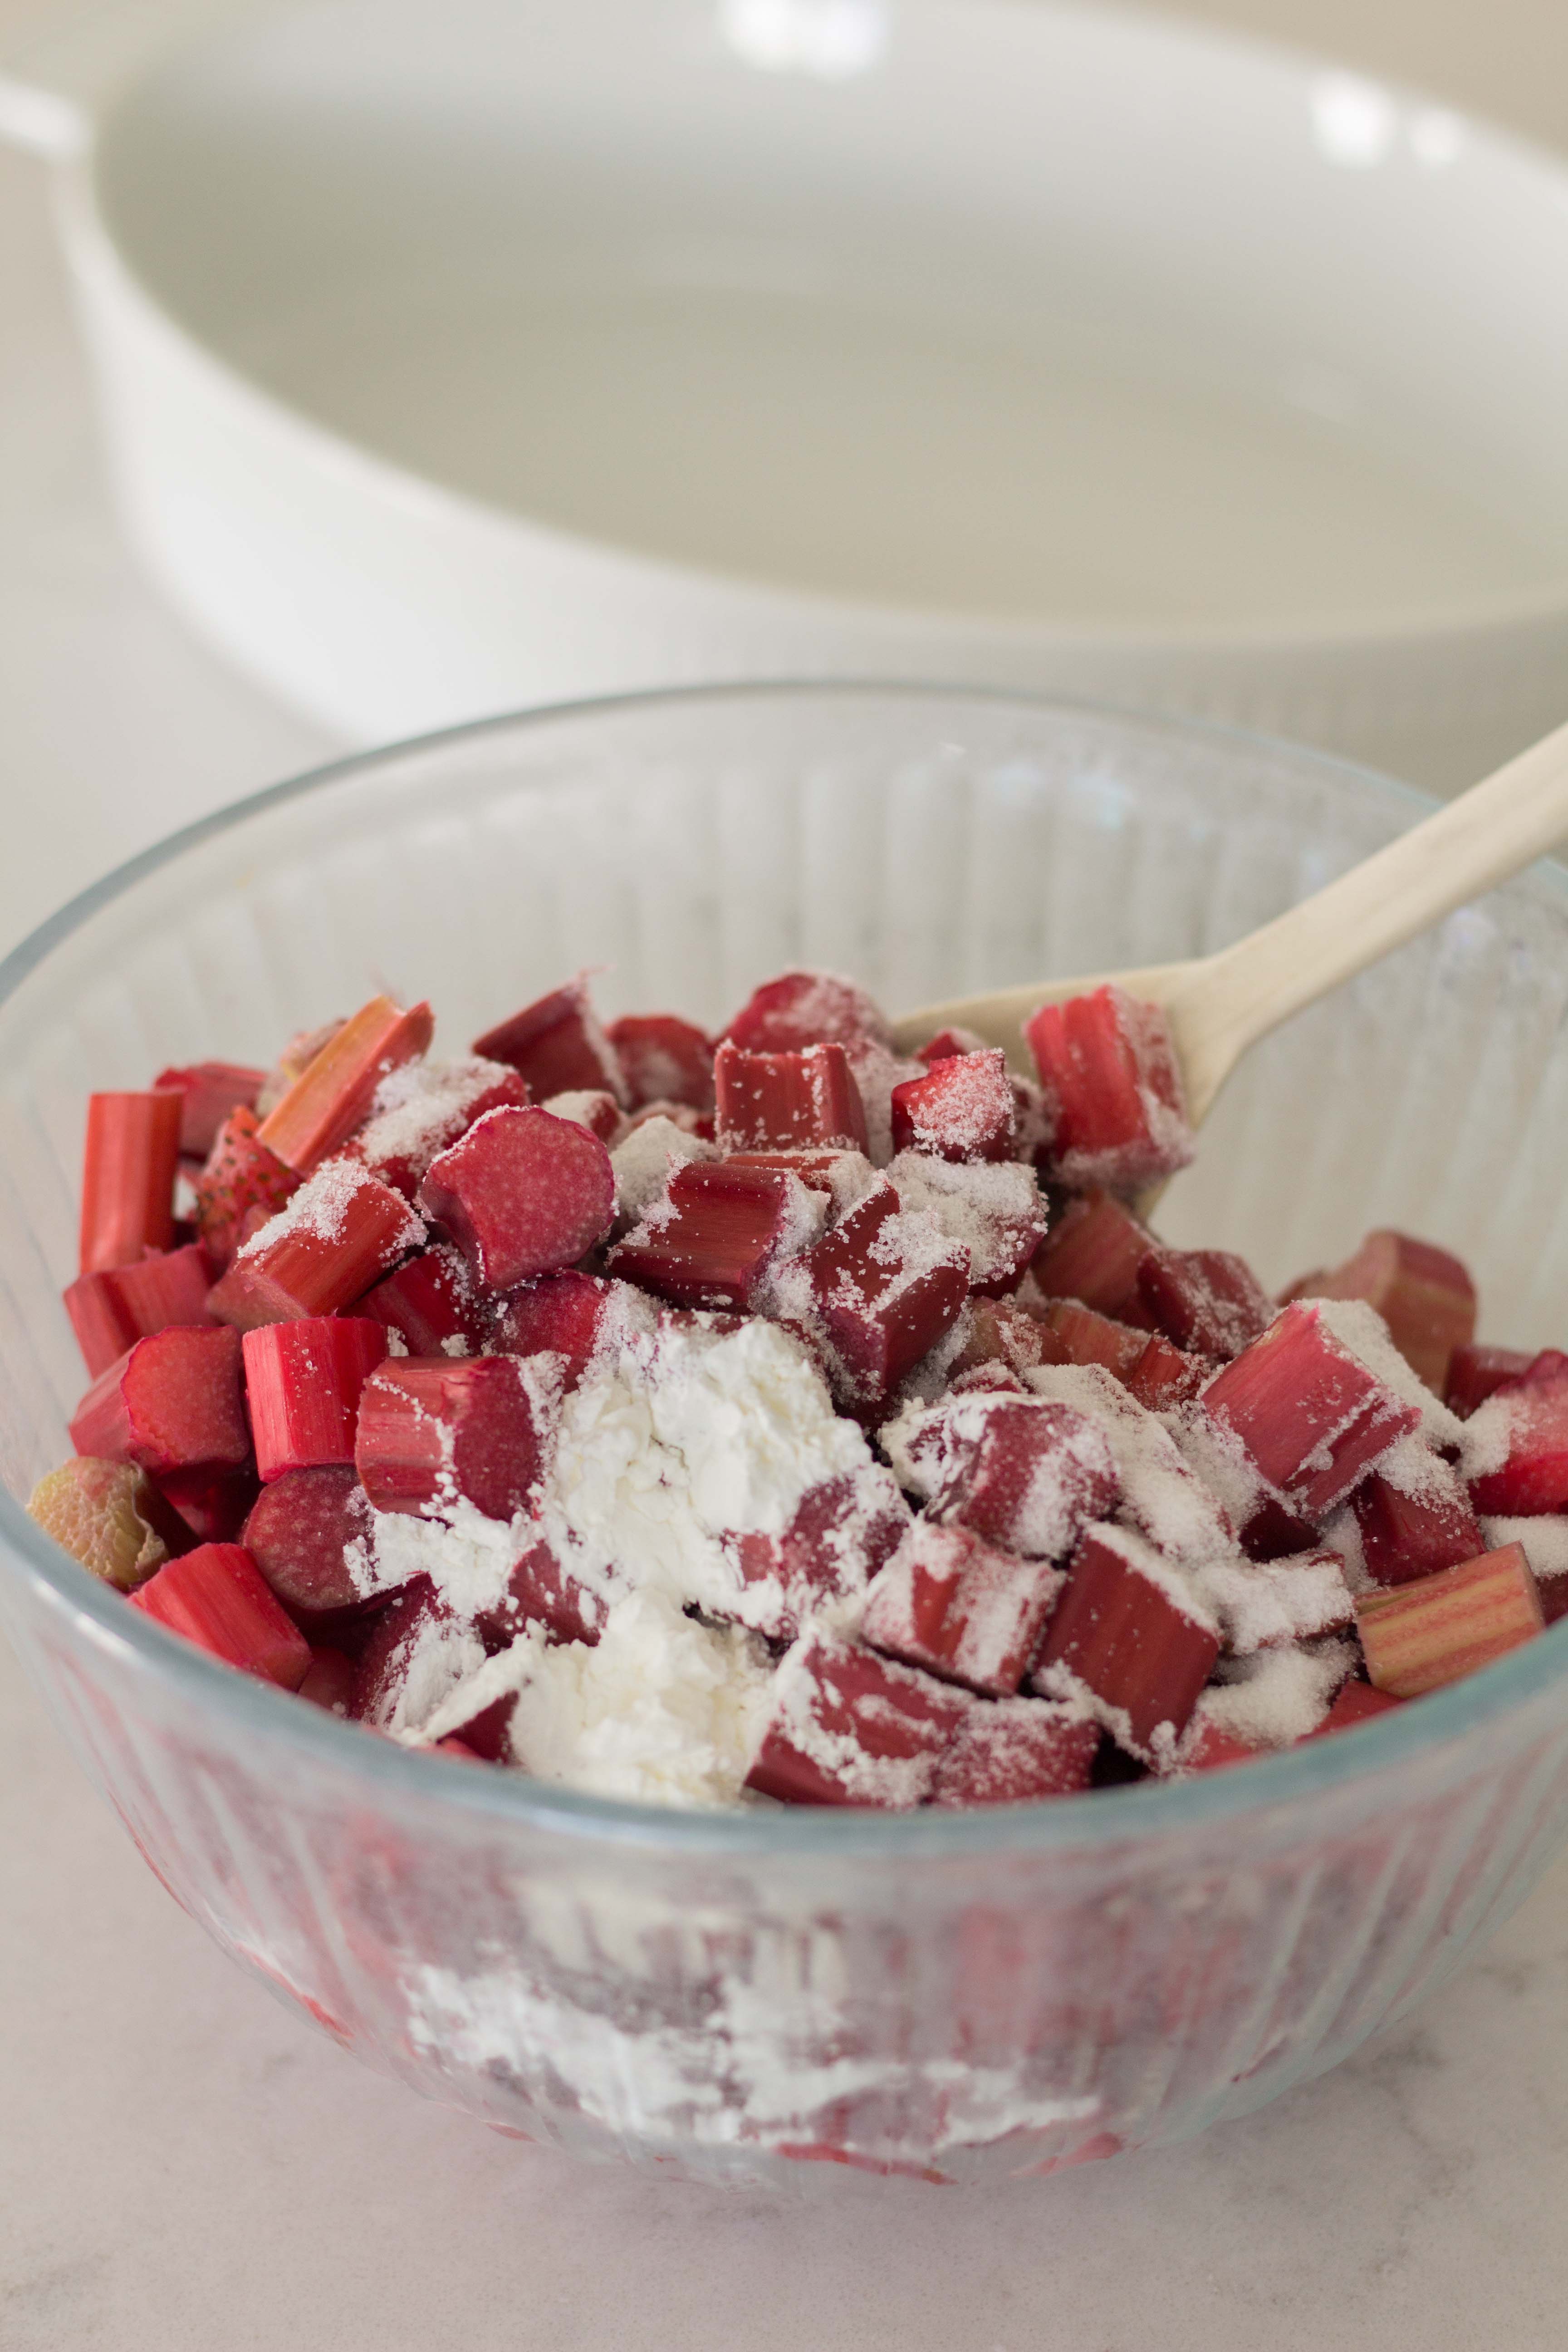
1279	1696
1161	1496
644	1159
1359	1328
1216	1453
1263	1607
993	1208
320	1208
421	1107
438	1657
1341	1535
1486	1440
1545	1541
467	1556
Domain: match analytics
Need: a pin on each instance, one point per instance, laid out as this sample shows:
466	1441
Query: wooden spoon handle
1487	835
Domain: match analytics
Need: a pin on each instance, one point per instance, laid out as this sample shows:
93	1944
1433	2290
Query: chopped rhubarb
559	1314
431	1304
1129	1633
329	1679
664	1059
1022	1472
1357	1703
486	1735
302	1384
172	1401
242	1185
1107	1061
416	1617
592	1107
217	1598
715	1236
213	1505
423	1107
802	1101
333	1093
962	1109
109	1311
885	1287
1417	1637
129	1164
105	1514
521	1194
296	1058
209	1092
948	1042
1425	1296
340	1234
1084	1336
993	1209
1165	1376
432	1431
847	1727
1414	1517
841	1533
959	1607
542	1591
1311	1416
1094	1253
807	1008
1001	1333
1476	1373
1208	1301
1015	1752
1516	1449
299	1532
1206	1745
557	1045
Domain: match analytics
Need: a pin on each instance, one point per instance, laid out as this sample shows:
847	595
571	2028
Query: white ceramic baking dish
453	358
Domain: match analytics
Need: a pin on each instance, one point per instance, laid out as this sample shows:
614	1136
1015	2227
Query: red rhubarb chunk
962	1109
848	1728
329	1680
432	1304
1357	1703
592	1107
887	1287
209	1092
841	1533
1418	1637
381	1670
1084	1336
664	1060
1015	1752
432	1430
1476	1373
961	1608
542	1591
129	1164
340	1234
948	1042
1414	1517
441	1103
242	1185
213	1505
172	1403
1165	1376
804	1101
522	1193
298	1533
560	1315
714	1237
1126	1632
333	1093
1206	1745
1108	1062
1208	1301
1001	1333
1426	1297
302	1384
485	1735
807	1008
1516	1450
109	1311
217	1598
1026	1472
1310	1414
557	1045
1094	1253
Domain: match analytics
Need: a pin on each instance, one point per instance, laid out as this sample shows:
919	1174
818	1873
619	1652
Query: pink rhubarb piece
1516	1449
432	1303
1423	1295
1127	1632
962	1109
521	1194
1310	1414
1015	1752
848	1728
340	1234
209	1092
172	1401
333	1093
302	1384
557	1045
432	1430
129	1163
715	1236
1414	1517
664	1059
1417	1637
886	1286
1206	1301
1094	1253
109	1311
1108	1062
803	1101
961	1608
217	1598
297	1532
807	1008
1022	1472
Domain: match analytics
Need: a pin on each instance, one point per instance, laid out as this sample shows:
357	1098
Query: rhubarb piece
212	1505
171	1402
1094	1254
416	1655
1130	1637
807	1008
299	1533
129	1165
422	1107
962	1109
1267	1525
103	1514
542	1591
484	1737
1417	1637
650	1152
340	1234
663	1060
841	1533
557	1045
948	1042
109	1311
293	1061
963	1609
847	1727
329	1679
1357	1703
592	1107
1160	1494
209	1092
1109	1063
716	1235
217	1598
302	1384
1208	1745
522	1193
1265	1606
1476	1373
1001	1333
885	1287
560	1315
1414	1517
1026	1472
993	1211
1515	1451
432	1431
1545	1541
804	1101
1425	1296
334	1091
1208	1301
242	1185
1015	1752
1311	1416
1084	1336
430	1305
1165	1376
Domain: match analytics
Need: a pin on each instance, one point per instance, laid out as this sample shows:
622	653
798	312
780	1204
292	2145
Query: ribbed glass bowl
763	1997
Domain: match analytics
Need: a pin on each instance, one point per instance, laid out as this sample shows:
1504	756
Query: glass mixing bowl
767	1996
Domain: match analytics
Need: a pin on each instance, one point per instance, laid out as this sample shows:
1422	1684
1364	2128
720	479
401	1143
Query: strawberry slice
299	1532
242	1185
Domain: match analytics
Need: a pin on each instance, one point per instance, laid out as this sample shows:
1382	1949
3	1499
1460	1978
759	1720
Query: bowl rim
1096	1818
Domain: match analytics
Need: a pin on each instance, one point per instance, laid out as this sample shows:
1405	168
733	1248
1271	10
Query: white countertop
186	2164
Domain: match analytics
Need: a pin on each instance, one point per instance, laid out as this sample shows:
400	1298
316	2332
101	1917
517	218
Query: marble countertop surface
185	2165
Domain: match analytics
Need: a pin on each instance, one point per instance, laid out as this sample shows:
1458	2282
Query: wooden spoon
1220	1004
